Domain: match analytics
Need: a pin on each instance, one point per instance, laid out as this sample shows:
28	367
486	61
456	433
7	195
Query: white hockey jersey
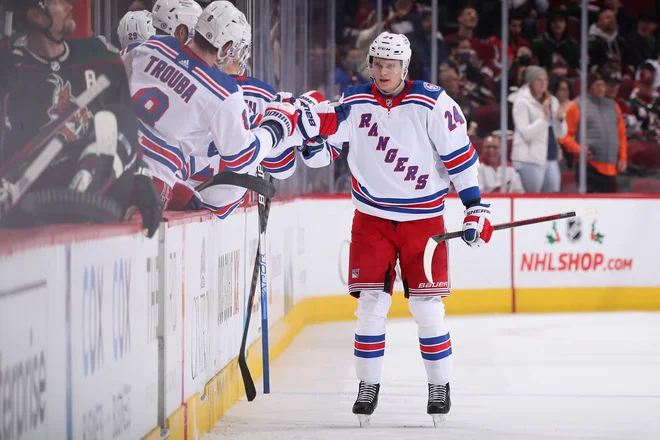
405	151
180	100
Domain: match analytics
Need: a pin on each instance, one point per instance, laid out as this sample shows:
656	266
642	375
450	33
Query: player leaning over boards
397	129
39	81
181	98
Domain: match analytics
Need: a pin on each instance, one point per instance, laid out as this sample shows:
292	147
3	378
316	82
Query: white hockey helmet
135	27
169	14
390	47
221	23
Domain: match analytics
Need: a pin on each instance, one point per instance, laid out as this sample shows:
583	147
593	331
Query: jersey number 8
455	116
150	105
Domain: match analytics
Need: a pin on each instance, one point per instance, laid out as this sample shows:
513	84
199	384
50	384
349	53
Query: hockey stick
264	209
248	381
49	143
433	242
254	183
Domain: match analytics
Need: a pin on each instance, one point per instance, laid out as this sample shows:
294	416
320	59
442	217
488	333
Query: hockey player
176	18
181	98
408	144
135	27
222	200
39	81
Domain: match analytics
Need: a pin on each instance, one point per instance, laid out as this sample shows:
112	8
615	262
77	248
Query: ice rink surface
532	377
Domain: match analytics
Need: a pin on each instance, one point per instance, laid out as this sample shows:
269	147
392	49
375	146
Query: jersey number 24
454	115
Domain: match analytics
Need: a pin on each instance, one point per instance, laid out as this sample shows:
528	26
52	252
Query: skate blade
438	420
364	420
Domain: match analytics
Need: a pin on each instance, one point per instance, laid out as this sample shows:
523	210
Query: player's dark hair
204	44
160	32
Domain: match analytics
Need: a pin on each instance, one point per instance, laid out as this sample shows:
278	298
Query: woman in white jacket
537	129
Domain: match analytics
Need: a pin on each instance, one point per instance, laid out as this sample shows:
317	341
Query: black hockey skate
439	403
366	403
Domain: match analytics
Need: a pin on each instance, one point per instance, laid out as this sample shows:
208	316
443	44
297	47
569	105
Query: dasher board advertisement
614	247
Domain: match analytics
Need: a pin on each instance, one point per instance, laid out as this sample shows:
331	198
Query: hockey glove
280	119
313	146
477	229
147	200
321	119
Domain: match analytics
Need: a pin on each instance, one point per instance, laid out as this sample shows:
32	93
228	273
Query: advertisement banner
172	326
199	283
228	296
112	319
33	386
594	251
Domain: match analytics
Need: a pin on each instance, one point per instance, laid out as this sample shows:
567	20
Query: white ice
532	377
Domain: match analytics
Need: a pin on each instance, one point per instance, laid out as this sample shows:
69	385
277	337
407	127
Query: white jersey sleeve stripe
244	158
258	91
163	152
461	159
213	86
161	48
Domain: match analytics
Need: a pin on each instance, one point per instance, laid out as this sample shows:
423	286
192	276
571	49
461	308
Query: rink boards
106	334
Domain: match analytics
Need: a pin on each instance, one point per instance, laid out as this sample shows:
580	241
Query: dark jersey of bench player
36	90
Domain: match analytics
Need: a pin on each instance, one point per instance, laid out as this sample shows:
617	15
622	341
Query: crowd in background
543	68
543	73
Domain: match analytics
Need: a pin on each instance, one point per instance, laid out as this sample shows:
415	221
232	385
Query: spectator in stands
466	63
612	80
520	63
642	44
561	89
645	103
607	46
536	153
624	21
449	80
468	19
347	71
421	40
555	46
490	169
607	147
515	40
401	16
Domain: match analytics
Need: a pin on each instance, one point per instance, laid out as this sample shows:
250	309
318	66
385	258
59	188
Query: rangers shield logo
355	273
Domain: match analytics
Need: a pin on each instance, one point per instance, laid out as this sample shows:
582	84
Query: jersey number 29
150	105
456	116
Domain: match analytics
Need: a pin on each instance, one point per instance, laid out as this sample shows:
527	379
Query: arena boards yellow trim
202	412
581	299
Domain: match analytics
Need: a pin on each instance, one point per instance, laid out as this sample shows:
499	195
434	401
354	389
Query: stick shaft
456	234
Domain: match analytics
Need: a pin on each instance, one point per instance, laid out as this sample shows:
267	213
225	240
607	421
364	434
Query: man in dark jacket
421	40
642	44
555	43
607	46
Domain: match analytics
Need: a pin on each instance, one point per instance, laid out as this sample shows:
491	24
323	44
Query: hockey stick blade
253	183
433	242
